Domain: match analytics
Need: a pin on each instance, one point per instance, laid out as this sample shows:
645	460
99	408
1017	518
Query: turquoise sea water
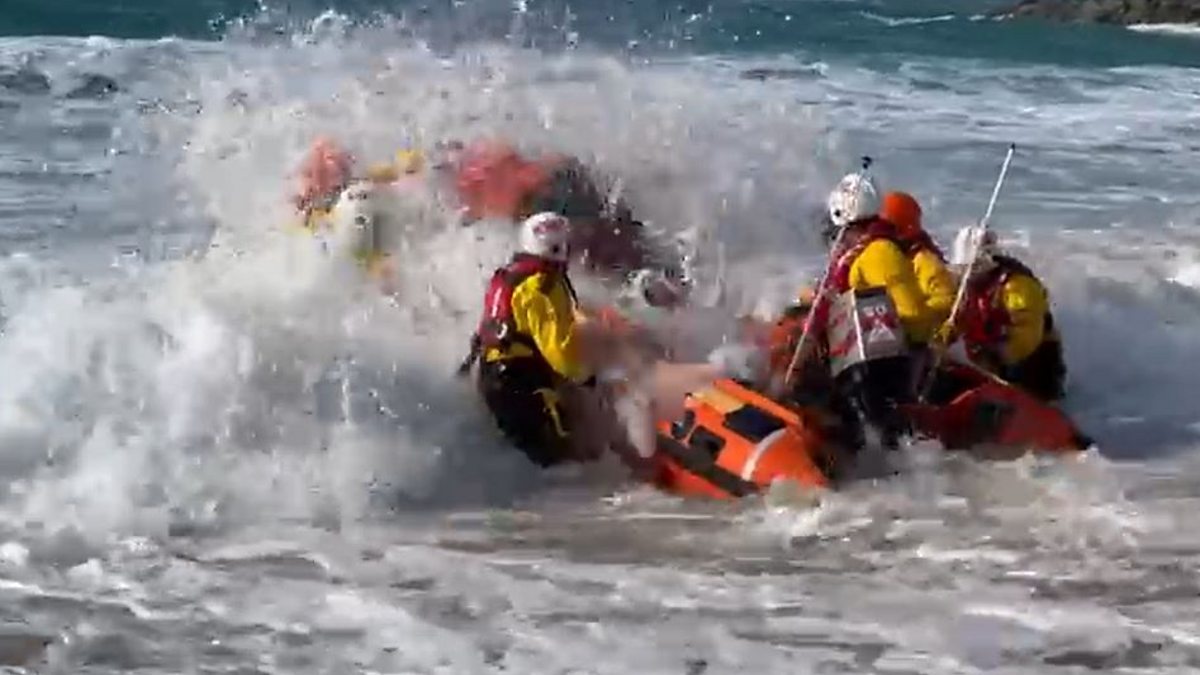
878	32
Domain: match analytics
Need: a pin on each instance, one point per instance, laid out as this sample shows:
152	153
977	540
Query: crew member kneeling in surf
1005	319
529	343
872	315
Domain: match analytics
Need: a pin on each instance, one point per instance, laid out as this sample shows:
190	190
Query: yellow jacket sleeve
936	284
1025	301
549	318
383	172
882	263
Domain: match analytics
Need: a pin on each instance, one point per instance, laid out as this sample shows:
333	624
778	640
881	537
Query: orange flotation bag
732	441
493	180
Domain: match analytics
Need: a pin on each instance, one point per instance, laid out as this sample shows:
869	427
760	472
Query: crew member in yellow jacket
1005	319
871	255
903	211
530	345
327	170
350	215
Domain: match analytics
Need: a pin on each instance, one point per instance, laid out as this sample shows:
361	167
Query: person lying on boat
1005	320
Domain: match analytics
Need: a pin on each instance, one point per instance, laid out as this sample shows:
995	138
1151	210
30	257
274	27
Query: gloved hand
945	334
805	297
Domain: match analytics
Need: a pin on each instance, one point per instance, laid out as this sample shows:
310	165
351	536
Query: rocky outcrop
29	81
24	81
1124	12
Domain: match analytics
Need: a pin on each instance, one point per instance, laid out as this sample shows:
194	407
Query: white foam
894	22
1188	29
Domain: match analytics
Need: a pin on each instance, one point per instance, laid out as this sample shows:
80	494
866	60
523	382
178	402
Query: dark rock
95	86
1121	12
24	81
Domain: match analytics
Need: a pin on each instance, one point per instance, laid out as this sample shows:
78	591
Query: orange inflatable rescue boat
976	410
968	408
732	441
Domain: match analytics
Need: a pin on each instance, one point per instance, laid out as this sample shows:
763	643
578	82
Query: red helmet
902	210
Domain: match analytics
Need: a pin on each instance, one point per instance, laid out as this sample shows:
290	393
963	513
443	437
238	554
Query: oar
821	286
966	276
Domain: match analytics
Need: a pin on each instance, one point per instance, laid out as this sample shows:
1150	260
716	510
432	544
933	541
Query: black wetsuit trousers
870	393
1042	374
522	395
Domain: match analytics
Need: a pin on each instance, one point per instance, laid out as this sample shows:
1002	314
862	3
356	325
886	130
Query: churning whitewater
223	451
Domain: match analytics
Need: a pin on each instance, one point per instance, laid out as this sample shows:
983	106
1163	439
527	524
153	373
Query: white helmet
973	242
354	217
854	198
547	235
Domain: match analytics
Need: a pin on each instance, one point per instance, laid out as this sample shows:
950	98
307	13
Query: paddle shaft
821	287
966	276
